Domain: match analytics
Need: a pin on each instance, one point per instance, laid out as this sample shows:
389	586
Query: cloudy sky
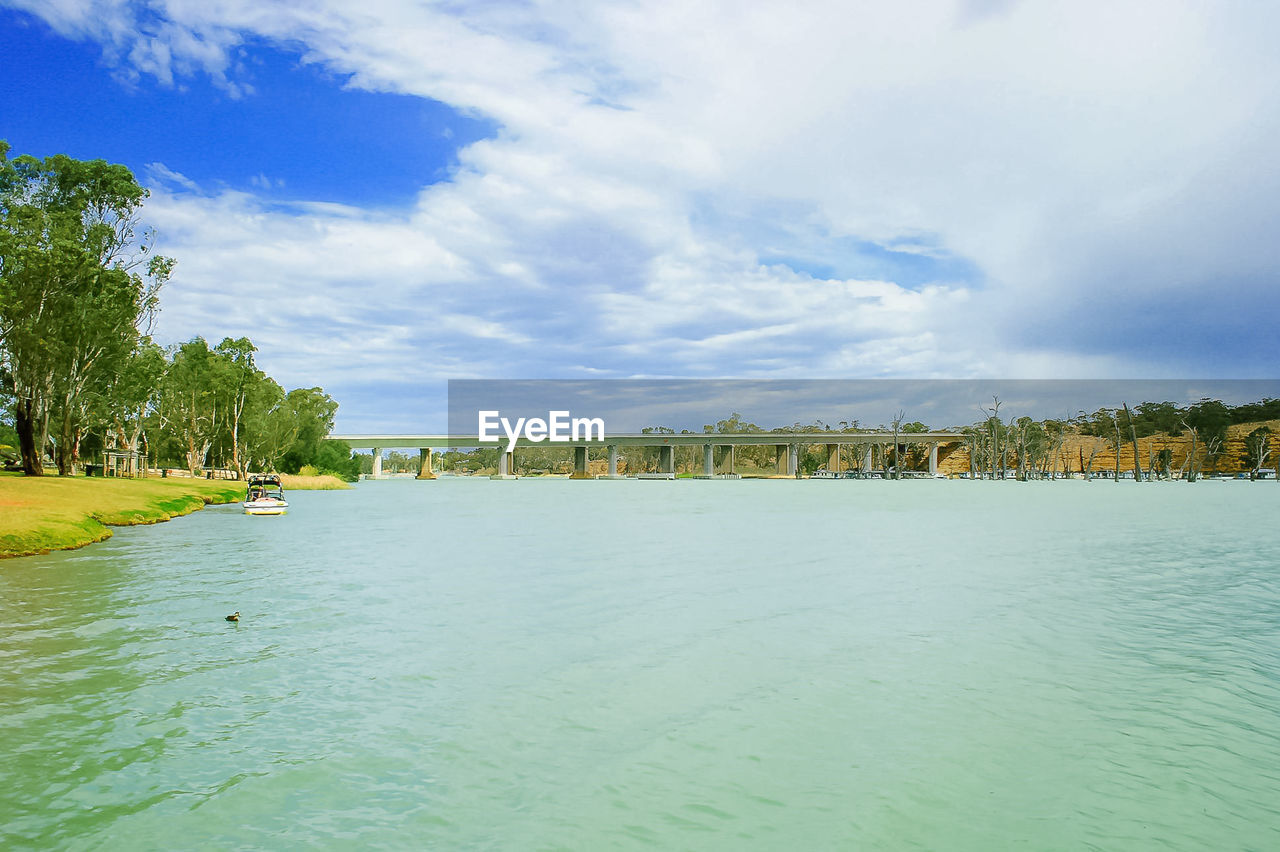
388	194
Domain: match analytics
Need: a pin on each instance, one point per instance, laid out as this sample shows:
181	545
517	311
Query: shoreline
39	515
44	514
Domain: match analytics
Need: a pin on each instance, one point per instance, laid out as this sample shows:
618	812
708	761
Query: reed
318	482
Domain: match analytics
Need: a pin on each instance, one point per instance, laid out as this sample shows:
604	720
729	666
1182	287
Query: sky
387	195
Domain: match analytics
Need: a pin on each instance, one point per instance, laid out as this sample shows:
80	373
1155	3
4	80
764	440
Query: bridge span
788	446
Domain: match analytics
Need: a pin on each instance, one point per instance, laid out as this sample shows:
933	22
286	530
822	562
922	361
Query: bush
308	470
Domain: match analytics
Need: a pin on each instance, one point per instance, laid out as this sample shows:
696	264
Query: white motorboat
265	495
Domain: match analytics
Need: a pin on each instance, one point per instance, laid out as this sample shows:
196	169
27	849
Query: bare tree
1115	422
897	459
1212	450
993	425
1088	467
1191	465
1133	434
1257	448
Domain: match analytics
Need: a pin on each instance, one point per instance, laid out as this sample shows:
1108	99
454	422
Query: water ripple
562	665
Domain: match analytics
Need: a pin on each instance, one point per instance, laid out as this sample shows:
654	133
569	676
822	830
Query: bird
235	616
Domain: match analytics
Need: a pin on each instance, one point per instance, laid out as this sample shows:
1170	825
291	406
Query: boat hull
265	507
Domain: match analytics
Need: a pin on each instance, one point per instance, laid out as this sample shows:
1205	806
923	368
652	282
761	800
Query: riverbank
40	514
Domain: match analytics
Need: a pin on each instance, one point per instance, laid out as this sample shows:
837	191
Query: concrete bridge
787	448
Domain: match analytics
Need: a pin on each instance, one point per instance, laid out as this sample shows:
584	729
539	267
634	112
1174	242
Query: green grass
44	513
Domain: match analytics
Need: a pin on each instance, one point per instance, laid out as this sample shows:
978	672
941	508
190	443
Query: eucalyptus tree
1133	435
760	455
237	378
975	442
313	411
1032	447
77	279
128	395
1257	448
188	409
1055	435
994	428
897	430
1209	418
269	426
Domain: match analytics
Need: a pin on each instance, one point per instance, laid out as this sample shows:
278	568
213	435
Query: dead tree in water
1055	451
1018	434
1191	466
897	456
1212	450
1088	468
1133	433
993	424
1257	449
1115	422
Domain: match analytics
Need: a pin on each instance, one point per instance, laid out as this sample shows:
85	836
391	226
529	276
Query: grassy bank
39	514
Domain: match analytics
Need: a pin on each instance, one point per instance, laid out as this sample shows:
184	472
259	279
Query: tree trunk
1192	472
65	458
236	461
1133	434
1117	471
24	423
193	458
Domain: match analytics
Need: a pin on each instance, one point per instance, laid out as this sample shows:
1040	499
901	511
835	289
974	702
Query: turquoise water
670	665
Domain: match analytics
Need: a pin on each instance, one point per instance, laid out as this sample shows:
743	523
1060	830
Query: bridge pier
580	470
613	463
933	459
866	460
708	460
424	464
793	460
377	463
667	459
506	466
833	457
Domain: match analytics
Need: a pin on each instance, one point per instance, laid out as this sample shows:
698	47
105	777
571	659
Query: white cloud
1094	162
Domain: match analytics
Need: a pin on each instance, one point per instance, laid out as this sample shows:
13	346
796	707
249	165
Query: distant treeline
79	373
1210	417
1029	448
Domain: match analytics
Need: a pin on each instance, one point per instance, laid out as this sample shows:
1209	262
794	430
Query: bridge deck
658	439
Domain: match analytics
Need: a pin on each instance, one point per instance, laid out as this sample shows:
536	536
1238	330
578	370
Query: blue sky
301	134
385	196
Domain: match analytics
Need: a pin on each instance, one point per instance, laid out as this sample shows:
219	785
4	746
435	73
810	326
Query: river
701	665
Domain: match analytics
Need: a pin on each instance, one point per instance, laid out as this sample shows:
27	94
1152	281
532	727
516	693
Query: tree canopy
79	290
